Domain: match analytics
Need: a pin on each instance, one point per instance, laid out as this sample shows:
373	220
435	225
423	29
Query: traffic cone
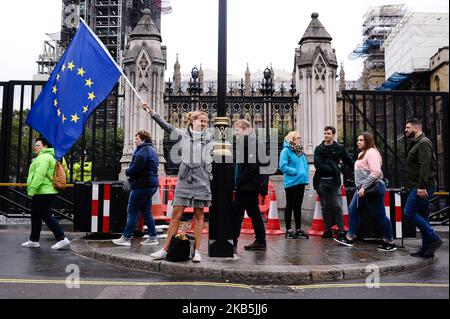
273	222
247	227
317	225
344	207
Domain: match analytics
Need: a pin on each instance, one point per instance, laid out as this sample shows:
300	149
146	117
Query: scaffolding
378	22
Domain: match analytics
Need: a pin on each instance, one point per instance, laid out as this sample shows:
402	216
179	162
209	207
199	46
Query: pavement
286	261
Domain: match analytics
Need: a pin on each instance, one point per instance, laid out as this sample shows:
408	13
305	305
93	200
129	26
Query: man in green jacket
327	180
43	194
420	180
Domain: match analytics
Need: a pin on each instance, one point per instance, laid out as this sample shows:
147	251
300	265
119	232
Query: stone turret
315	68
144	64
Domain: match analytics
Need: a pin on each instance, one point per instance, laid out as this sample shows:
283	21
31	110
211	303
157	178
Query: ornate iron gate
265	107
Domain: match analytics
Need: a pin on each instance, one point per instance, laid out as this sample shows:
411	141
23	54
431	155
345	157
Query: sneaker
256	246
344	241
290	234
61	244
235	250
431	249
31	244
197	258
150	242
301	234
122	241
160	254
327	234
387	247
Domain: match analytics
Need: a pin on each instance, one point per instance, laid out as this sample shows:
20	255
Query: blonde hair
243	123
192	116
290	136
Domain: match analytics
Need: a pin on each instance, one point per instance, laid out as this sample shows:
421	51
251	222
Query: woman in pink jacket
368	174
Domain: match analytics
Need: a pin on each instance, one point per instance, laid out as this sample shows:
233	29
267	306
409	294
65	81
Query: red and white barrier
398	216
106	207
94	208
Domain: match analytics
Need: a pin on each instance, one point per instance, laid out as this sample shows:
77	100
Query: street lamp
220	242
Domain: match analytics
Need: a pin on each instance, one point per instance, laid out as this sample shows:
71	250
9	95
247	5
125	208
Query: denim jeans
375	206
41	210
331	205
417	210
140	200
248	201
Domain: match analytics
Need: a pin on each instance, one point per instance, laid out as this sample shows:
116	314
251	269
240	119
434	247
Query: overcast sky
260	32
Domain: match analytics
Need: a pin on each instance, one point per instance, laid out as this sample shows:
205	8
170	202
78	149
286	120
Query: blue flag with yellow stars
82	79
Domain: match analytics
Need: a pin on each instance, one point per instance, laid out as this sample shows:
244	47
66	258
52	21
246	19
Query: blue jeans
375	206
417	210
140	200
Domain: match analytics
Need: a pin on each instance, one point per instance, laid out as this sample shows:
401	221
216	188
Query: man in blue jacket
143	178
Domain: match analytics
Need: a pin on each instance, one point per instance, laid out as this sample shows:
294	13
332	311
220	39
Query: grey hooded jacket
195	173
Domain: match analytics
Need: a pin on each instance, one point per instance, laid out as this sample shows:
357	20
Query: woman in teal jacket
43	194
294	166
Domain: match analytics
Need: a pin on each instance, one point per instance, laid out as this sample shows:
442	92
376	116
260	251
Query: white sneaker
122	241
31	244
160	254
197	258
150	242
61	244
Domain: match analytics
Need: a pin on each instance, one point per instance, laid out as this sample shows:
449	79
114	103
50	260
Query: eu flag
82	79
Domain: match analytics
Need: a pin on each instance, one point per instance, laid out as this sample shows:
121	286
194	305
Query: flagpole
112	59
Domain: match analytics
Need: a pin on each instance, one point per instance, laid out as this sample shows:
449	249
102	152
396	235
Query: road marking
363	285
214	284
122	283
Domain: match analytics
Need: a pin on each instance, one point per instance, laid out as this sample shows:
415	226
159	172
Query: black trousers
248	201
294	201
41	210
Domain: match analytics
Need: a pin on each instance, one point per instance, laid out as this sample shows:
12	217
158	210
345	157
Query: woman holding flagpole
193	188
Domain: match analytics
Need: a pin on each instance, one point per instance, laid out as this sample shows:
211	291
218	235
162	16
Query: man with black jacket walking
248	185
327	180
420	180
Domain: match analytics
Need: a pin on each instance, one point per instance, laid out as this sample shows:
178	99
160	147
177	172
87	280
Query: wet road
44	273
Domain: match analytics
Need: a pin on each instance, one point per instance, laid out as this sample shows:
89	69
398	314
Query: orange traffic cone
344	207
247	227
317	225
273	222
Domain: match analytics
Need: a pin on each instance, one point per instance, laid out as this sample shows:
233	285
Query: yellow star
85	109
81	72
59	113
63	67
63	118
54	90
71	66
91	96
58	77
75	118
89	83
55	102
